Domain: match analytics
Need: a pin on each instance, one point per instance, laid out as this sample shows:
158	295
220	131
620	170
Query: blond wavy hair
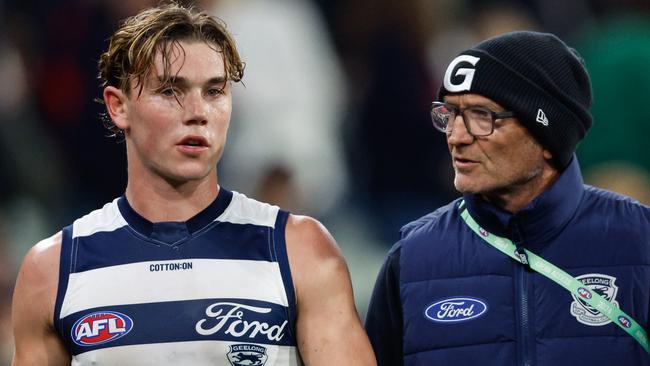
133	47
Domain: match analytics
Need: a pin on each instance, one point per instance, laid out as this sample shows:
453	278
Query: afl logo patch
100	327
624	321
600	284
483	232
584	293
455	309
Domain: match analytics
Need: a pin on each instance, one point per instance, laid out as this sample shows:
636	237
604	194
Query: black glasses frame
461	111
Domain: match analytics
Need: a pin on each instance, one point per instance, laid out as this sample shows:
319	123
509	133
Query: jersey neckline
173	231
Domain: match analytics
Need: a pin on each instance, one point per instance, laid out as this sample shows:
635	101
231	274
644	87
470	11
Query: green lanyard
562	278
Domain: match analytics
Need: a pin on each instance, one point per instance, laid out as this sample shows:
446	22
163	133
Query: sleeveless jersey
214	290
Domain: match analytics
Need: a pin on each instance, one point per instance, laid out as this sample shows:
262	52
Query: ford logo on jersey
455	309
101	327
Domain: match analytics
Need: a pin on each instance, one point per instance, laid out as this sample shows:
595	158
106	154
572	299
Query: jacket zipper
523	303
523	299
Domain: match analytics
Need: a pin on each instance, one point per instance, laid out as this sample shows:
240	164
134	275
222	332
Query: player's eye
213	92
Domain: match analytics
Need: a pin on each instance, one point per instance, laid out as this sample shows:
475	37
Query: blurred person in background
465	285
30	180
88	168
236	281
389	120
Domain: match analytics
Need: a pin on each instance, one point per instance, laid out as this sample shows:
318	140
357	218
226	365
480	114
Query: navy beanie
537	76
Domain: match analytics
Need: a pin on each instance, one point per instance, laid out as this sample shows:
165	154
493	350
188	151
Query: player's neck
157	200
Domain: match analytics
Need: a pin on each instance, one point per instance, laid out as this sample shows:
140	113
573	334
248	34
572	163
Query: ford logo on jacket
455	309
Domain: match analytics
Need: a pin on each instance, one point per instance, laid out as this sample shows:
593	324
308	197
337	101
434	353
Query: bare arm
37	342
328	327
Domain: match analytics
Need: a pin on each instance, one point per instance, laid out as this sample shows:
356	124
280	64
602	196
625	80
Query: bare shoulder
328	328
39	275
36	340
313	253
309	237
47	248
42	260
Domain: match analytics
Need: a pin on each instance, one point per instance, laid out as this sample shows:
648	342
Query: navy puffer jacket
446	297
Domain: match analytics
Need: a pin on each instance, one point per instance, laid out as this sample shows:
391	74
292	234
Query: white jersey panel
108	218
205	353
244	210
148	282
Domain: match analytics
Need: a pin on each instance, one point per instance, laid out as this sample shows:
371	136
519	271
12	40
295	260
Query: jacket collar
542	219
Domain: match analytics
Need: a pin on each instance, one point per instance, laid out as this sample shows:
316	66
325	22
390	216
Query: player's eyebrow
217	80
181	81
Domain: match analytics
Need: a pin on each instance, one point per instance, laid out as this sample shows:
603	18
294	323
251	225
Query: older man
530	266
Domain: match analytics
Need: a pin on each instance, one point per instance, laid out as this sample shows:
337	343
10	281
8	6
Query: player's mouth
193	144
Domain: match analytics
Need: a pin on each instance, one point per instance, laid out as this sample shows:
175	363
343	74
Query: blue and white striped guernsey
214	290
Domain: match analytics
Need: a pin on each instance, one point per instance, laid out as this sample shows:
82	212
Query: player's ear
116	106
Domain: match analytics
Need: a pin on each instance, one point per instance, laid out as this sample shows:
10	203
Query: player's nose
196	108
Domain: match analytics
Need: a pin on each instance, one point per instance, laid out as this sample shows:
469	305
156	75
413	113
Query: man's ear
116	106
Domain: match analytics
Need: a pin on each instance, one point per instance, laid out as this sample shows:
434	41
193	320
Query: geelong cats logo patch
604	286
247	355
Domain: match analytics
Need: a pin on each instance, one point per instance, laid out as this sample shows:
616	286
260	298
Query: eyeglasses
479	121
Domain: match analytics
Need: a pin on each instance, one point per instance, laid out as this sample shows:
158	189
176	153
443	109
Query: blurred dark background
333	121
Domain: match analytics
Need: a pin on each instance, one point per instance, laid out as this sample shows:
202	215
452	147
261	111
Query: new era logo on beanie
541	117
537	76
